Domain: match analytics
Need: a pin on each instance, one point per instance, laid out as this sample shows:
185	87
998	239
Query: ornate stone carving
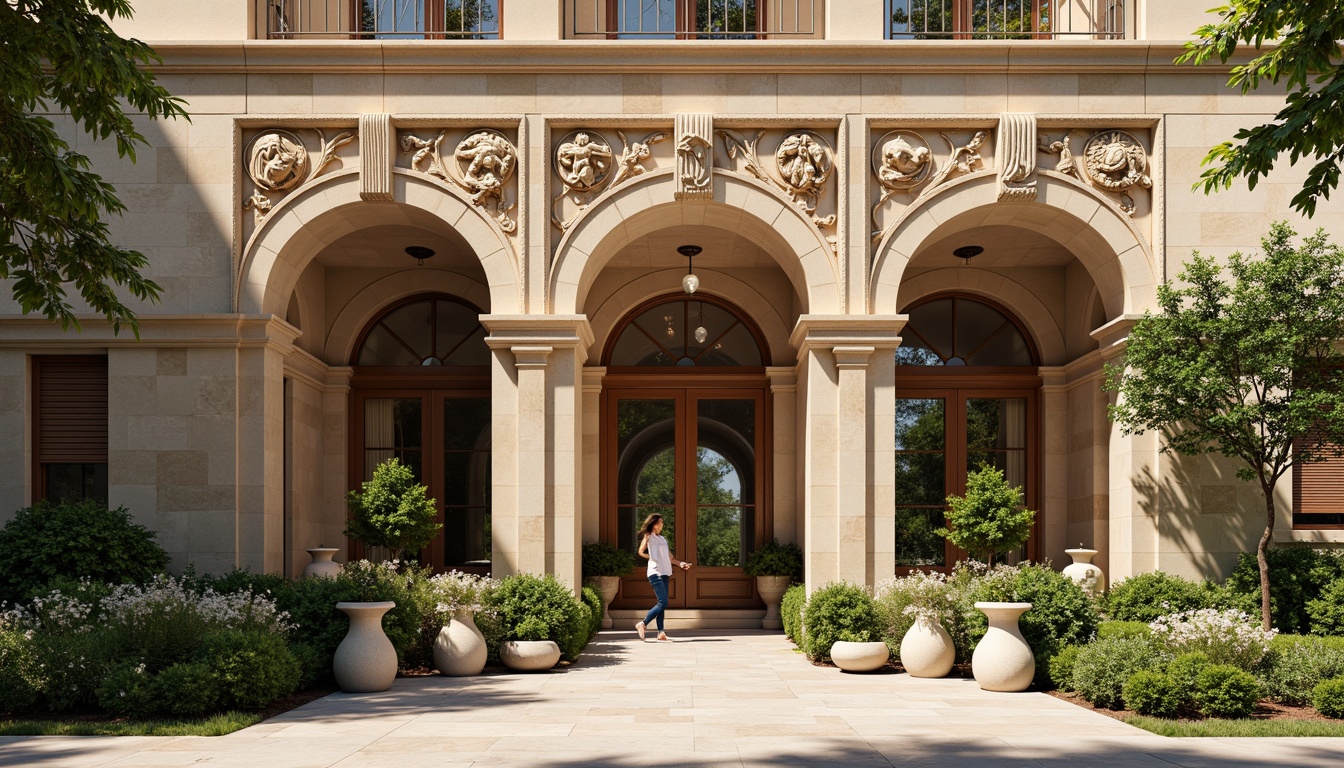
695	157
584	163
1015	155
633	156
963	159
1116	161
901	160
1066	165
798	162
377	150
278	162
485	159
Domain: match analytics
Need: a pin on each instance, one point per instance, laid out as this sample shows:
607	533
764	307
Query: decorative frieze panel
1112	160
1016	152
695	157
907	168
802	169
586	165
278	161
481	162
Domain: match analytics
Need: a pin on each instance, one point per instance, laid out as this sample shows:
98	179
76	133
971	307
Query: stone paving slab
729	698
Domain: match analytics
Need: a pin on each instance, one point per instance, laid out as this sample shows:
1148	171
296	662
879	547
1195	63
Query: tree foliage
990	518
61	56
1306	61
1245	364
391	511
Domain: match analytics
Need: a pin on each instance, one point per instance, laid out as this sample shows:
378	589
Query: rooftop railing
1005	19
382	19
696	19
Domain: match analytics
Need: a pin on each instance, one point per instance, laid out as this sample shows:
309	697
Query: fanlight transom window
426	331
958	331
686	332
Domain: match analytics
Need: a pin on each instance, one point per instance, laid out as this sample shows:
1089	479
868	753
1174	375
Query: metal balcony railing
381	19
695	19
1005	19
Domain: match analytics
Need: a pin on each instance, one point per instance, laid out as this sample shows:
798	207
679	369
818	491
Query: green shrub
838	611
1123	629
314	666
1297	575
186	689
128	691
73	664
603	559
775	559
1102	668
19	671
593	600
391	510
791	612
537	608
1222	690
1153	693
1292	668
233	582
1328	697
1061	665
251	669
75	540
1185	669
991	517
1226	637
1149	595
1325	614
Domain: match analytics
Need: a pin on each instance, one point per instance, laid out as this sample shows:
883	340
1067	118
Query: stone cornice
224	330
682	56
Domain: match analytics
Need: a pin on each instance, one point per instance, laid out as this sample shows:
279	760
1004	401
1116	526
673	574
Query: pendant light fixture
690	282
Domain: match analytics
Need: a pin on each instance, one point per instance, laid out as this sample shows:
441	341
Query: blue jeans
659	591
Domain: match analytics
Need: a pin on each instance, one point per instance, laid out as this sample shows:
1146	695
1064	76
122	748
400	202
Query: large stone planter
1003	660
859	657
460	650
927	649
365	660
1083	572
771	590
529	655
322	566
607	587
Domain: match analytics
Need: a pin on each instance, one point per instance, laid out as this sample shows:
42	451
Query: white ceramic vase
322	566
1003	660
459	650
607	587
365	660
529	655
859	657
771	590
927	649
1082	571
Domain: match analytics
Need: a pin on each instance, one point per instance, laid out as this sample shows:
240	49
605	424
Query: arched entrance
967	395
420	392
685	434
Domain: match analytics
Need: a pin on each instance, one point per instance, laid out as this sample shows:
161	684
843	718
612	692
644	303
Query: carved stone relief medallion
901	160
484	162
1115	160
277	162
587	166
583	160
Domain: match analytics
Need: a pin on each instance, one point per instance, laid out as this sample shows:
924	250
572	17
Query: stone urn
322	566
859	657
771	590
1003	661
927	649
460	650
607	587
365	661
529	655
1083	572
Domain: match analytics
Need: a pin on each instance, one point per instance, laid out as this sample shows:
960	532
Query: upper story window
1004	19
695	19
382	19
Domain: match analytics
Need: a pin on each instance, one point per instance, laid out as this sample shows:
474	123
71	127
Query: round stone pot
771	590
322	566
927	649
365	660
1083	572
1003	661
529	655
607	587
859	657
459	650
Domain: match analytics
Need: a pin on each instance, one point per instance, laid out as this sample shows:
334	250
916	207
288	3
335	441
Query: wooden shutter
1318	488
71	424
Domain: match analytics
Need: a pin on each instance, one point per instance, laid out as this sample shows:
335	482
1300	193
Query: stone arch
316	215
365	305
773	326
1089	225
1013	296
740	205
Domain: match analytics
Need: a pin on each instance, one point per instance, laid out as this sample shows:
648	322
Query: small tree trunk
1262	558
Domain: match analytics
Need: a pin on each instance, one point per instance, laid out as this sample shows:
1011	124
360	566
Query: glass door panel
393	429
725	488
466	482
647	482
921	481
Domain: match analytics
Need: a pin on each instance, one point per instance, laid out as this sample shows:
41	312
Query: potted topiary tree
775	566
391	510
990	518
603	566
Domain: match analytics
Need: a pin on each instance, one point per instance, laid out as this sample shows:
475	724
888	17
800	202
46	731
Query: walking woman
654	547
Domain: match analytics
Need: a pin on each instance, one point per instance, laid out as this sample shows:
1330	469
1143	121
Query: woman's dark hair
646	529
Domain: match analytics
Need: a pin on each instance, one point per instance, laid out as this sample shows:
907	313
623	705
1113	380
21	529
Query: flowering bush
455	591
1226	637
902	600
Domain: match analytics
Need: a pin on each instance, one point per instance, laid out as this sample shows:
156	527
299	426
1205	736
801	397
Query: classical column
536	442
1052	513
786	485
1132	529
847	379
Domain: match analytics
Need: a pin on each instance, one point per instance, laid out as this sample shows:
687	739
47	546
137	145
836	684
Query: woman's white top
660	558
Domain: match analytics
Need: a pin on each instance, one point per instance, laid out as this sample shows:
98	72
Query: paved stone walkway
710	698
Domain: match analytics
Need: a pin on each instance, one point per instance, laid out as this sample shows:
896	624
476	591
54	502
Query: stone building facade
467	253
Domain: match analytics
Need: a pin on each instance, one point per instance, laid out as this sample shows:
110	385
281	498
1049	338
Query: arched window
686	331
427	331
957	330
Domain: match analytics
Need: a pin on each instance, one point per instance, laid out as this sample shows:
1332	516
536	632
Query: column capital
828	332
1112	336
553	331
852	356
530	355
